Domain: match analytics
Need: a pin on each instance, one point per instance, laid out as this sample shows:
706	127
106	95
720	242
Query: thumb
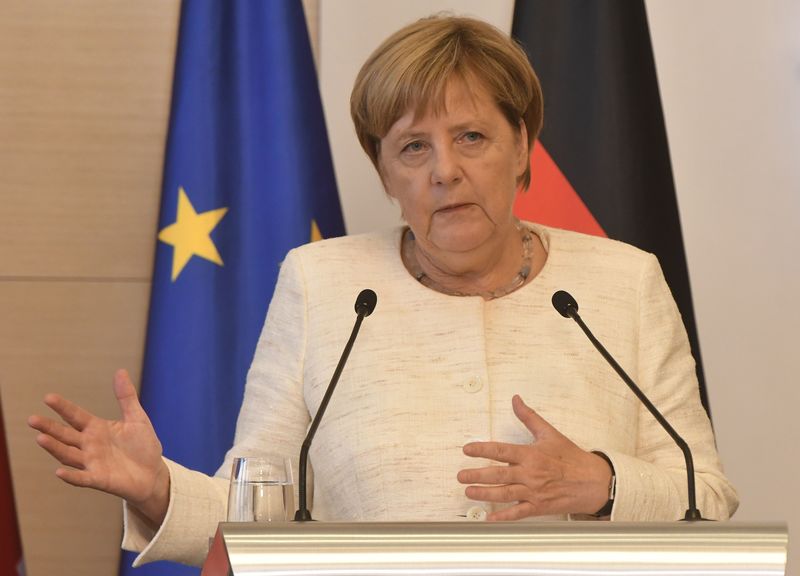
537	425
127	399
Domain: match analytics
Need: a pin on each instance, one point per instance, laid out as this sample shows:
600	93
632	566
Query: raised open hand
550	476
121	457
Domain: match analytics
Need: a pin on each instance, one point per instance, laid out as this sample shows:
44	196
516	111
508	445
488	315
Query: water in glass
260	491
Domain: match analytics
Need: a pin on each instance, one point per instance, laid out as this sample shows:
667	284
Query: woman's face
454	173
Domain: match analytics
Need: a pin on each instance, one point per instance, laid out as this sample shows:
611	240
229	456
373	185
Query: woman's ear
524	152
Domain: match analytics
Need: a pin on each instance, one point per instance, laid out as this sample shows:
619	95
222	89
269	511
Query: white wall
730	80
730	77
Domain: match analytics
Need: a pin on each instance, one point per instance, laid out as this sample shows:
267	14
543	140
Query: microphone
365	304
566	305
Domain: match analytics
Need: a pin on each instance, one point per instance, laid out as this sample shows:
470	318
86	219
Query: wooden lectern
498	549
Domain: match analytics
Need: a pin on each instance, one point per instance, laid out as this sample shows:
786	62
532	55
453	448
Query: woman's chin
460	239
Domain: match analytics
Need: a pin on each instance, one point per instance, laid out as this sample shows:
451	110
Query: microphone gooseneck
566	305
365	304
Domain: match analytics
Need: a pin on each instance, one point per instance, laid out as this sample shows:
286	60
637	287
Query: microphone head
564	303
366	301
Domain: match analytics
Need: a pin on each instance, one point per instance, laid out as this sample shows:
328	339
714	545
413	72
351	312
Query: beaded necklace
410	258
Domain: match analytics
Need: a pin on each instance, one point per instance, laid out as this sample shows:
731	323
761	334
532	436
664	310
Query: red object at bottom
10	543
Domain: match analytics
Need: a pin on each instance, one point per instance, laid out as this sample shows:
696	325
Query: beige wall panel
84	100
67	337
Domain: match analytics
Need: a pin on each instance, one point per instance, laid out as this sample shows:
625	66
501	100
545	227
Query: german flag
601	165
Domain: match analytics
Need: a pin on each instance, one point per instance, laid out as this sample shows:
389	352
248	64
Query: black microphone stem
303	513
692	513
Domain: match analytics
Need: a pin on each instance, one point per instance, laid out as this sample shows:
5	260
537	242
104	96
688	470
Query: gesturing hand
550	476
121	457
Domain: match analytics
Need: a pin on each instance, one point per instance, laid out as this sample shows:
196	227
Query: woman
429	422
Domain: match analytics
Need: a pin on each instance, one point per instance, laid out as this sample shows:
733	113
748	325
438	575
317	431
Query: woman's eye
415	146
473	136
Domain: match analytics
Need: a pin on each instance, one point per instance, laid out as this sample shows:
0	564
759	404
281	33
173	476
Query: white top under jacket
431	372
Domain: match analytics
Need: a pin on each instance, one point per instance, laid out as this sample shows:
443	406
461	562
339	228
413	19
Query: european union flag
248	175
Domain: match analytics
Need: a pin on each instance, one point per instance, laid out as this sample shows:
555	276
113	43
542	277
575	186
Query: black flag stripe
604	126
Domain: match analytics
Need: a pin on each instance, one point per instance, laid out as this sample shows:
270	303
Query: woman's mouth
453	208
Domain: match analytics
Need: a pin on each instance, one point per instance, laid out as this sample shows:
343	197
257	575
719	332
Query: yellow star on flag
316	235
190	235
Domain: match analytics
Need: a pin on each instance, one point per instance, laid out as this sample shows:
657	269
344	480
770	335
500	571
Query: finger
537	425
504	493
72	414
489	475
127	398
67	455
76	477
57	430
516	512
498	451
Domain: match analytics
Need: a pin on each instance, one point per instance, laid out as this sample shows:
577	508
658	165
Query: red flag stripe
551	200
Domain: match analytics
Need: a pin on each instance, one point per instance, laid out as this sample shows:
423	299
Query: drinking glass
261	490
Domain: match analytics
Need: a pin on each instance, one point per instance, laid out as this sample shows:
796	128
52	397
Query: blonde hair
413	66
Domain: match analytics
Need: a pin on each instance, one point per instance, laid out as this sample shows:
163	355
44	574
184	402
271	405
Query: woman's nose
446	167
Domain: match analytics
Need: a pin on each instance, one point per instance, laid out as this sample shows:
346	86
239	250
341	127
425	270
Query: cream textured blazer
431	372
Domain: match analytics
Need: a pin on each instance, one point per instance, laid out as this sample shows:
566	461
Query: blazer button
473	385
476	513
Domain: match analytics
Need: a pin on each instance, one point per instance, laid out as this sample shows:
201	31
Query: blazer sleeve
197	504
272	422
652	484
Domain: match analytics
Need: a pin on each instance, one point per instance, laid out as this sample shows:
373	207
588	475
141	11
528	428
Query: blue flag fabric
248	175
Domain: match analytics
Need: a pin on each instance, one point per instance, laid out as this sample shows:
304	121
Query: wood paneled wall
84	99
